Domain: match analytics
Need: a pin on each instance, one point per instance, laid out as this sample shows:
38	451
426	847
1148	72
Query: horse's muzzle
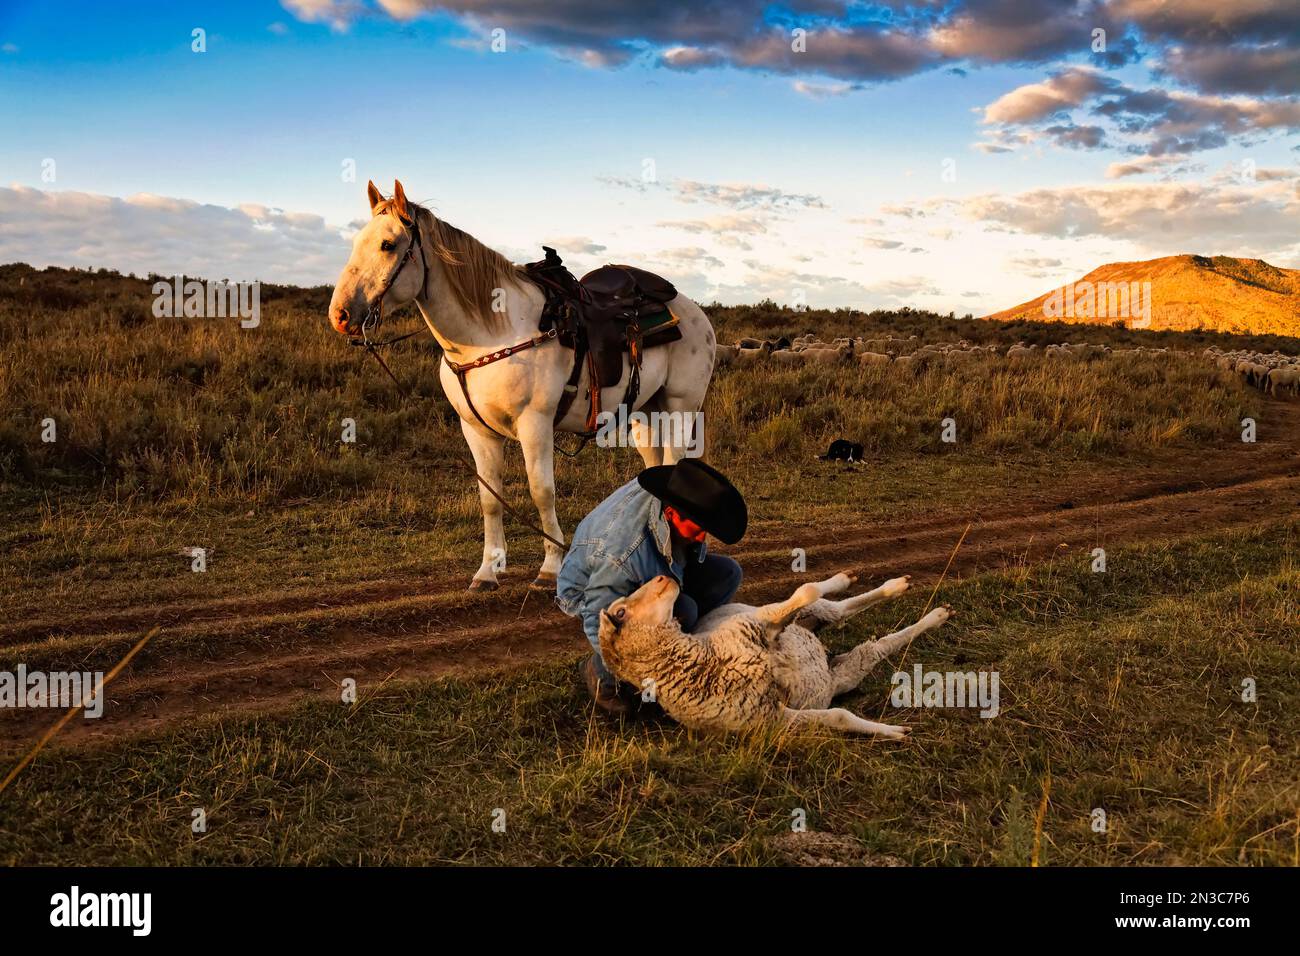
341	319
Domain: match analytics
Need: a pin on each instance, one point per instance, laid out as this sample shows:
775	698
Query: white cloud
1037	267
578	245
820	290
688	58
1035	101
717	224
1169	165
1153	121
685	257
821	91
744	195
1160	218
734	195
147	233
338	14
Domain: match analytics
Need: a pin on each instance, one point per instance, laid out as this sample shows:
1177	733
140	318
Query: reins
374	316
372	347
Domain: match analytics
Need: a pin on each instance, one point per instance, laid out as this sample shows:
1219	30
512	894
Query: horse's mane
473	271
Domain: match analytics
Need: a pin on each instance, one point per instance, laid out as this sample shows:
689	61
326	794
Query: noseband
375	314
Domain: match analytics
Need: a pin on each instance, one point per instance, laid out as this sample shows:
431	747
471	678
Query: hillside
1222	294
104	295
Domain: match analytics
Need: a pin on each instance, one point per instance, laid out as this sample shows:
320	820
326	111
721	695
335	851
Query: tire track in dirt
276	651
1223	470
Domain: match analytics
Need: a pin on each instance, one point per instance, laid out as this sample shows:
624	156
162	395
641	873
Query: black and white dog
842	450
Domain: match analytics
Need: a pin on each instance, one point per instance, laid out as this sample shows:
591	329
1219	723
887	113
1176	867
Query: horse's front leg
489	457
537	437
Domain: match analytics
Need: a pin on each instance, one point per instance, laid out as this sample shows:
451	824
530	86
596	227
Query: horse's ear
375	196
399	200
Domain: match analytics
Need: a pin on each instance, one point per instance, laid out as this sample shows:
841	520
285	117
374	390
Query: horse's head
387	267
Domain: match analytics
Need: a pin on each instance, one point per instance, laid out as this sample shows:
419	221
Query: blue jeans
707	584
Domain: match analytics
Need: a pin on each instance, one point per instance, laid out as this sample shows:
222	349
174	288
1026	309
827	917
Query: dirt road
267	651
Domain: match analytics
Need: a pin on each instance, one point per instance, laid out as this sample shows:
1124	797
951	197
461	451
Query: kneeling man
655	524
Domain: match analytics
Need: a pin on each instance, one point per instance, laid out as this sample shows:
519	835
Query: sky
963	156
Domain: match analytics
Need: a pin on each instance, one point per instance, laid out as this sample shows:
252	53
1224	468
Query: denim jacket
621	545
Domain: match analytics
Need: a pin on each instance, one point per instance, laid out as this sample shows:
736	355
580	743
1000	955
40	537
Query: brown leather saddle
610	312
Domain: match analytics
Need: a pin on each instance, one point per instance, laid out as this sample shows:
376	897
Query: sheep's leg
775	617
848	669
822	612
837	718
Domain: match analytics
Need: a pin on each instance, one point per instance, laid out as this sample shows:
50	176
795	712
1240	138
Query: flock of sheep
1276	373
889	350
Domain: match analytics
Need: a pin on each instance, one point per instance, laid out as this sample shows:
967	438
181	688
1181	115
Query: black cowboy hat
701	493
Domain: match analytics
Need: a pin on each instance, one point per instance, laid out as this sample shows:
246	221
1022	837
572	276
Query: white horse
476	302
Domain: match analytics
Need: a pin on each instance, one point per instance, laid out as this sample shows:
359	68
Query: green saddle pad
657	328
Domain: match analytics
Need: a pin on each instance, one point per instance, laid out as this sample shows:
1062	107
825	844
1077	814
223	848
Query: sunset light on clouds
868	155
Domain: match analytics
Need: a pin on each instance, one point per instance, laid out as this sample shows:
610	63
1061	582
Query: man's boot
609	697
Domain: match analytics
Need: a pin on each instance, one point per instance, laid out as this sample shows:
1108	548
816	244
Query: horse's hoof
544	582
477	585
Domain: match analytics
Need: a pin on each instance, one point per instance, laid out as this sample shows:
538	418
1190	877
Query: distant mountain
1222	294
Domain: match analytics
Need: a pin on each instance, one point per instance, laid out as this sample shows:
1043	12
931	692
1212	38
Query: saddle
609	312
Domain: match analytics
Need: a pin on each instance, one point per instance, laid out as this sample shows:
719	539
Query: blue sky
818	178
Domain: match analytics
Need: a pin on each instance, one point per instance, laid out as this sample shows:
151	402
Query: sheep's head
634	627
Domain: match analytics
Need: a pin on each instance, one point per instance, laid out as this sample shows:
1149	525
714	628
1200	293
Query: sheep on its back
745	667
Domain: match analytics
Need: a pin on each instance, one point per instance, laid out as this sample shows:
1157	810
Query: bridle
374	316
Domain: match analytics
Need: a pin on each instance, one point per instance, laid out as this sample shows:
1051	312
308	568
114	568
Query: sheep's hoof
940	615
544	582
477	585
896	586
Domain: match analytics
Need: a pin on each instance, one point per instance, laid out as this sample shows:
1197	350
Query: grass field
1120	691
188	410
